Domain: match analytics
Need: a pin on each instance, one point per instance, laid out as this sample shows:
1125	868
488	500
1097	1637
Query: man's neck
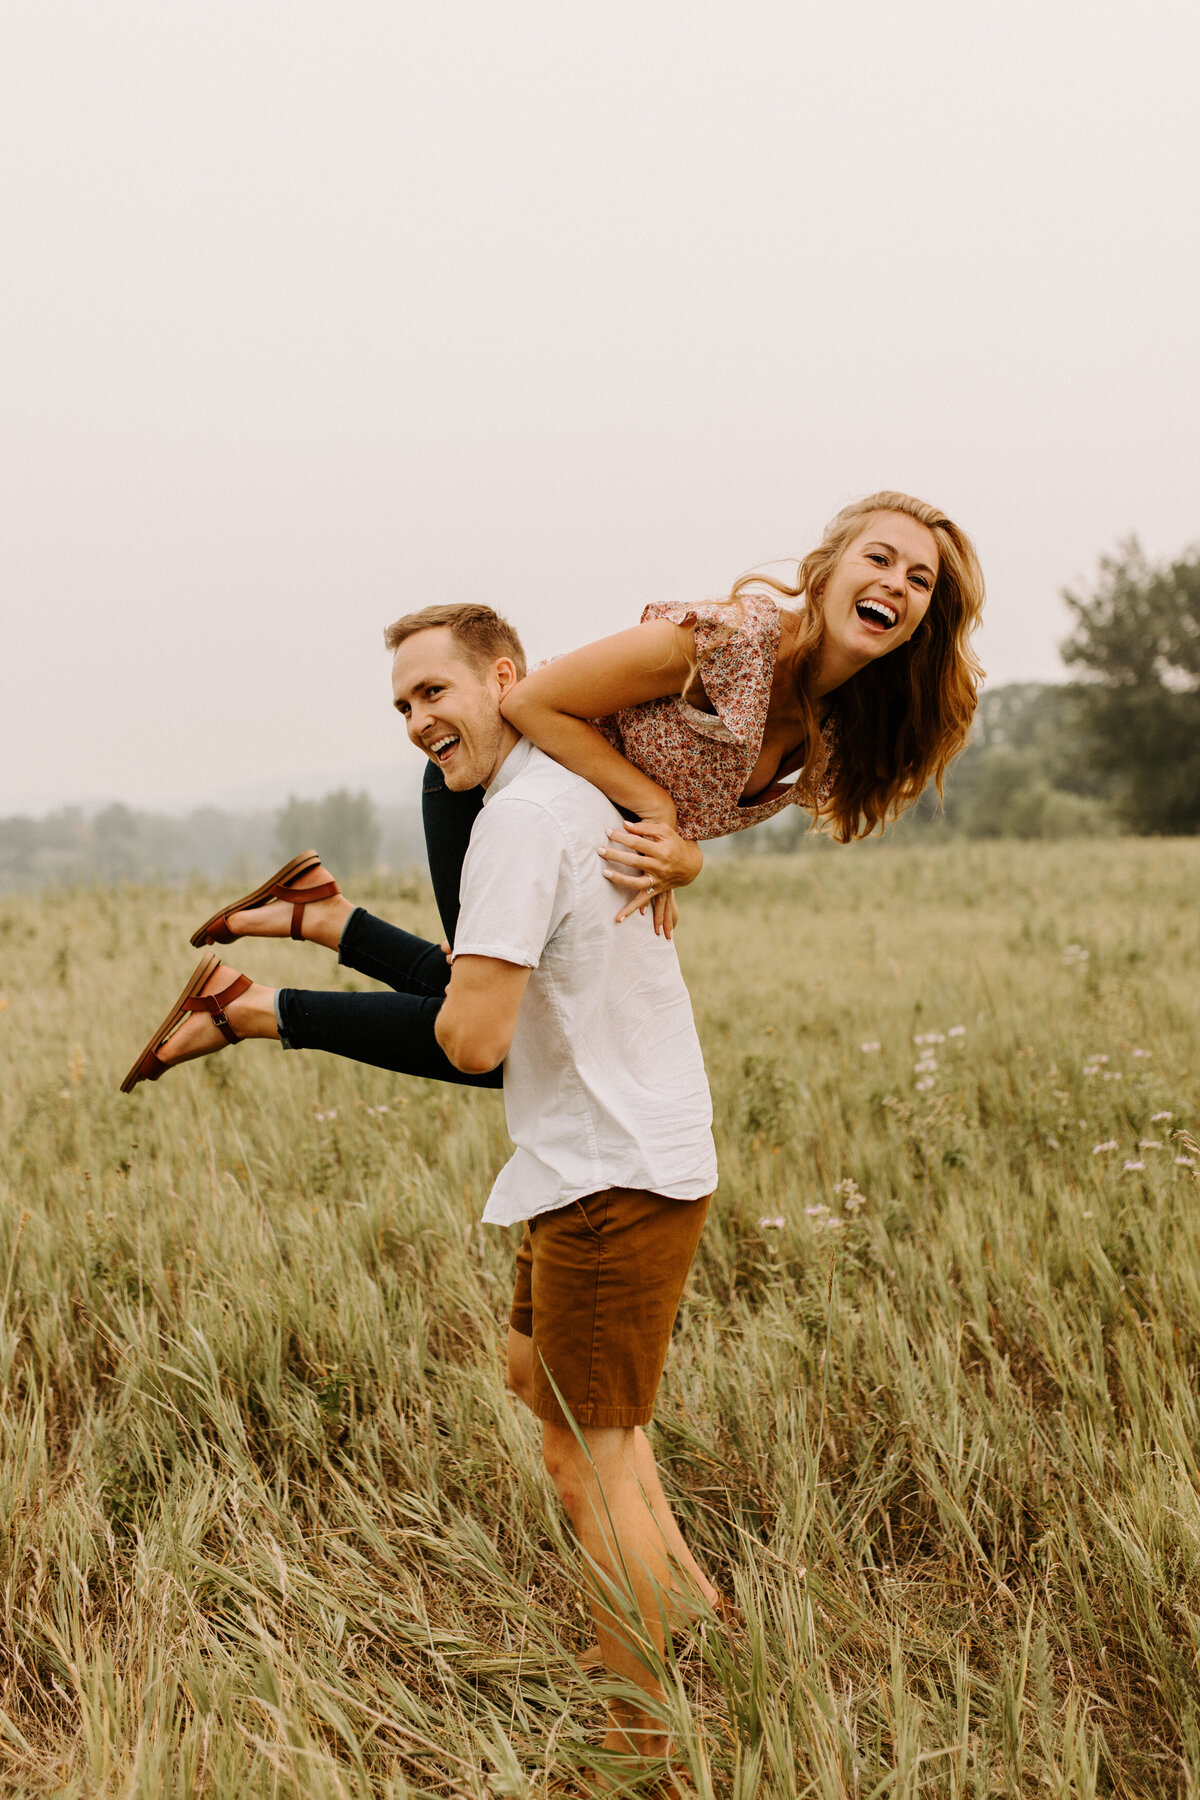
508	743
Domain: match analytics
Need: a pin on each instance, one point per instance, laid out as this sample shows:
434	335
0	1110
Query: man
604	1091
607	1103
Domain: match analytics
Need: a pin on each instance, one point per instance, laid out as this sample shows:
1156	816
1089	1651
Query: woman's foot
249	1014
217	1007
279	908
321	921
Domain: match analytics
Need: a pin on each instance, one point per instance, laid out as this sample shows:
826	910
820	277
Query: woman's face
879	591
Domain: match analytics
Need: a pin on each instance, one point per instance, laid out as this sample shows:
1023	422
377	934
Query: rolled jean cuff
281	997
346	941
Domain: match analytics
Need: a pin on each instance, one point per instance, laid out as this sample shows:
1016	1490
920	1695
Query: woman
697	722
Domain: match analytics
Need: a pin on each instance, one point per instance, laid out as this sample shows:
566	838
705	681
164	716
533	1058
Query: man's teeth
877	609
441	745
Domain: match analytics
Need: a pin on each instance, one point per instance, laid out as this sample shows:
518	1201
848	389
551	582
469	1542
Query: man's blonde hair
482	635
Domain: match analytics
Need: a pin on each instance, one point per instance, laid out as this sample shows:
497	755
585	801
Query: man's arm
479	1015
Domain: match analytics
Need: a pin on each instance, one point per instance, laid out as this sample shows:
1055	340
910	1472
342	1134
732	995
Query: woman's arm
552	707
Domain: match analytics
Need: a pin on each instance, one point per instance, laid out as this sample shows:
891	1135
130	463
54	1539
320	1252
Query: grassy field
272	1526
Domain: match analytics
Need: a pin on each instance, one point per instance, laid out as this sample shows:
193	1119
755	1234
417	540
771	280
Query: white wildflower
923	1087
816	1212
1053	1143
1185	1162
1160	1118
957	1031
1088	1215
1132	1167
1109	1144
1143	1053
870	1047
1149	1144
771	1224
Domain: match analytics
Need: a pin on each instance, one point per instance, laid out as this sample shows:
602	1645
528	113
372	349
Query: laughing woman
698	722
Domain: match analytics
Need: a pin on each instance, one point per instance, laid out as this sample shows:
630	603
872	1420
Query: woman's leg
390	1031
409	964
448	818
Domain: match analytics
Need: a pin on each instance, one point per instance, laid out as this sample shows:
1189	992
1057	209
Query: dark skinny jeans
395	1031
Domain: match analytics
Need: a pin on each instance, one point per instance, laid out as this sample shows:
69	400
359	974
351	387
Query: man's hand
650	857
479	1015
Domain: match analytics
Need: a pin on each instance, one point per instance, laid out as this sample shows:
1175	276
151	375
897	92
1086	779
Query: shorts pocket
592	1212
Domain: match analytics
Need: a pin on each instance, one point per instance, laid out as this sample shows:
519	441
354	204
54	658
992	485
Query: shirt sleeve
517	883
738	672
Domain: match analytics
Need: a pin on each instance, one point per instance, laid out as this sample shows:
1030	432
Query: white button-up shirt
604	1083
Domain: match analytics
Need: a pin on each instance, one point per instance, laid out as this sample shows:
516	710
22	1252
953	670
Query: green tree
1137	634
343	826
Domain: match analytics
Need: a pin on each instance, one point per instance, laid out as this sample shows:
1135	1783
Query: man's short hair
482	634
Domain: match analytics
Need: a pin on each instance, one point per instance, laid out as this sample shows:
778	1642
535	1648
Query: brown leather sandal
278	887
149	1066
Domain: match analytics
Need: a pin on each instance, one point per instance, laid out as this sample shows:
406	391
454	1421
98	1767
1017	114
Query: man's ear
504	669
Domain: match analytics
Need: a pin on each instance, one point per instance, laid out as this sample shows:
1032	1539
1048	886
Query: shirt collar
512	765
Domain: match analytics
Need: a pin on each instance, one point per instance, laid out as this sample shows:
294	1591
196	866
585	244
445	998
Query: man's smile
442	748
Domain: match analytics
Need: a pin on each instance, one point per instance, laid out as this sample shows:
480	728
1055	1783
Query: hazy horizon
311	318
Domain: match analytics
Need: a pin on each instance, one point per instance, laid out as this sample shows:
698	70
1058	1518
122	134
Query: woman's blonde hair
902	719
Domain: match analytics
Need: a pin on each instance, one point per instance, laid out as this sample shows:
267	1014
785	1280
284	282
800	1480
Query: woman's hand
649	857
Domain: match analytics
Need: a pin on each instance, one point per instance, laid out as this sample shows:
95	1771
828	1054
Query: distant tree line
1116	750
118	843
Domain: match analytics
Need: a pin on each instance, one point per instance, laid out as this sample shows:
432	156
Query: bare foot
252	1014
321	922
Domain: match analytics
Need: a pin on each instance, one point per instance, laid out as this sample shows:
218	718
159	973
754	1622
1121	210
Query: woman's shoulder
749	616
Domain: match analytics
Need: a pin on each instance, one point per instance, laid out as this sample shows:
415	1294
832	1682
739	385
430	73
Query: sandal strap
215	1004
150	1067
302	897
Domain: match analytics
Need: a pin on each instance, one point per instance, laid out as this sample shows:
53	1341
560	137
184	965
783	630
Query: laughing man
606	1100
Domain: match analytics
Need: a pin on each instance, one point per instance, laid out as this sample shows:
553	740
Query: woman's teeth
877	612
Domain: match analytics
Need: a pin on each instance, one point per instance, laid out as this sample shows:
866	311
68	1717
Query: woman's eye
876	556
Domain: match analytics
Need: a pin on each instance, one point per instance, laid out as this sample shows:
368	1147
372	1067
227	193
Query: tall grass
274	1528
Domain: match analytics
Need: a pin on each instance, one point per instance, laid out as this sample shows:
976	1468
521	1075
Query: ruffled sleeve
737	648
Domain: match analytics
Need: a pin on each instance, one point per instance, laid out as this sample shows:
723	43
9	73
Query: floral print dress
702	759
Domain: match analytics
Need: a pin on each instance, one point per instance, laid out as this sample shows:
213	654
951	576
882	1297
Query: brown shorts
598	1286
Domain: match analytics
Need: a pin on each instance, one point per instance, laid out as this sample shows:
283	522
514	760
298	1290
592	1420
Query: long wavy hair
903	718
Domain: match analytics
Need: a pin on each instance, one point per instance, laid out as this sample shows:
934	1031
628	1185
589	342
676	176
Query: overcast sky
314	313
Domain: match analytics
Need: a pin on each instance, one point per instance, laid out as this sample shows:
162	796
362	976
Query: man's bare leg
619	1534
520	1380
646	1470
